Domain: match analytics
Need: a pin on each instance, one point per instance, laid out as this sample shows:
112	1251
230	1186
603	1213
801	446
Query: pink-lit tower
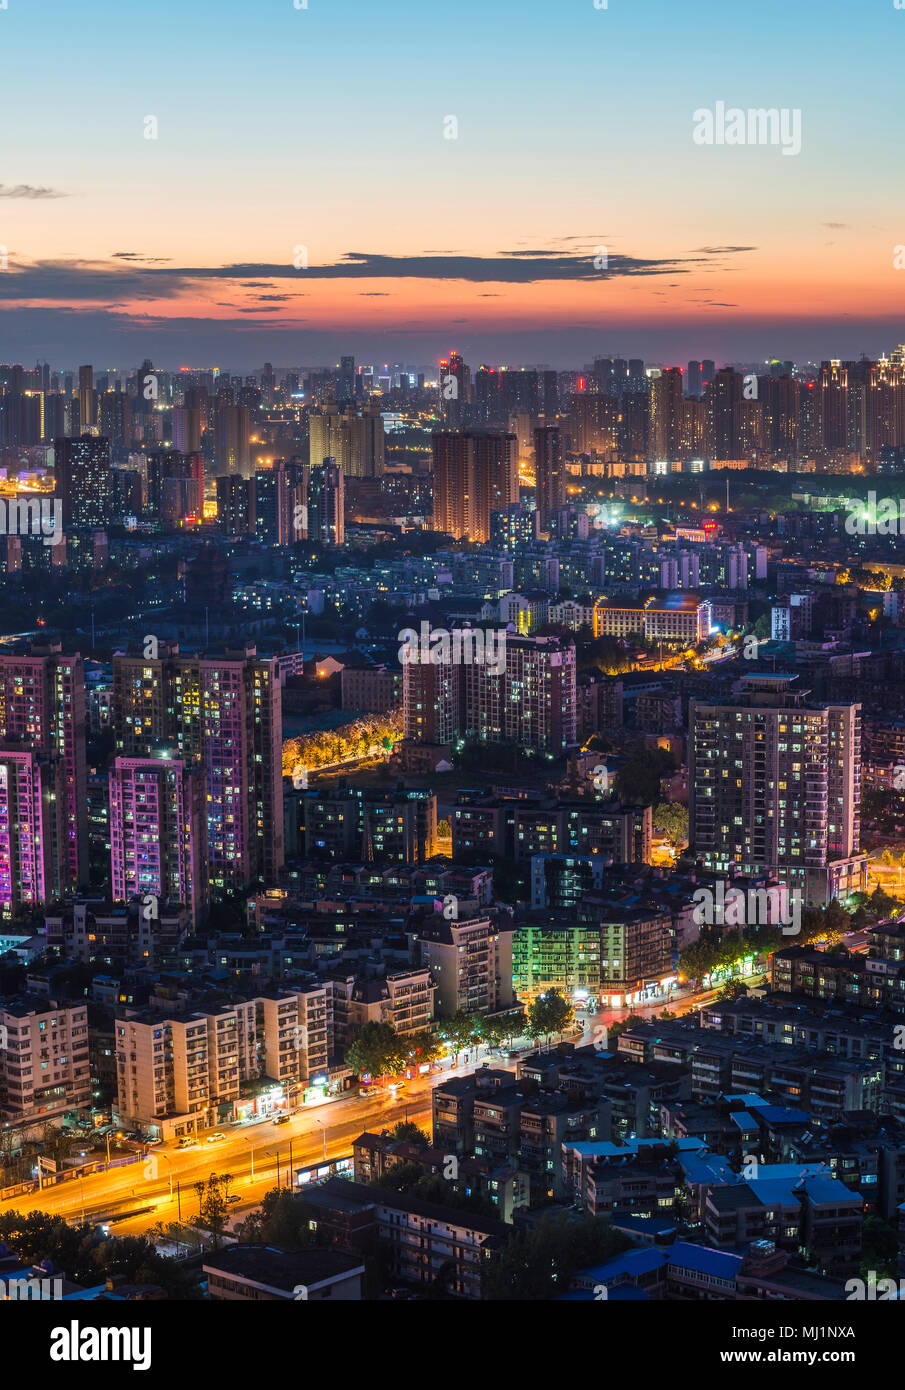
42	705
158	832
32	828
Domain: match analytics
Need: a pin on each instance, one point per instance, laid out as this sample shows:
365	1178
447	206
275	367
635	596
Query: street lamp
323	1126
170	1163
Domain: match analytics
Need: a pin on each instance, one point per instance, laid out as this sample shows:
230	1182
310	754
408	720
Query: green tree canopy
538	1265
378	1051
671	819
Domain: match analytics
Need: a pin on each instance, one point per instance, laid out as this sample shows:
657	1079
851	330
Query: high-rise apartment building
594	424
32	828
176	1074
775	787
549	471
224	712
44	1068
87	398
326	504
470	962
474	474
232	438
236	504
666	415
158	832
530	701
281	503
83	477
354	439
724	398
455	390
42	706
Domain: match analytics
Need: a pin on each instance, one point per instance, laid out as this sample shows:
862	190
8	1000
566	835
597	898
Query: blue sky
324	127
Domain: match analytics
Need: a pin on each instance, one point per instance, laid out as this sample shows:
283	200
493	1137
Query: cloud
125	277
28	190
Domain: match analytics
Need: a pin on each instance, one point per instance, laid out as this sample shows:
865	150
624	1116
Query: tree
213	1208
83	1253
405	1129
879	1248
538	1265
423	1047
378	1051
495	1030
550	1013
283	1220
459	1031
670	818
618	1027
638	780
399	1177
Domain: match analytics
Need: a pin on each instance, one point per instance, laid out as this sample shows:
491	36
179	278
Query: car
216	1138
366	1091
232	1199
281	1119
186	1143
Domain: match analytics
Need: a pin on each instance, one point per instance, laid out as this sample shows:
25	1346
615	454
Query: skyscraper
474	475
455	390
549	471
232	438
775	787
158	831
224	712
345	385
83	476
42	705
32	828
355	439
723	398
326	504
281	503
666	415
530	701
236	504
87	398
594	423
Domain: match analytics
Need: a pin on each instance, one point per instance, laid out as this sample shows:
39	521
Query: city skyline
311	223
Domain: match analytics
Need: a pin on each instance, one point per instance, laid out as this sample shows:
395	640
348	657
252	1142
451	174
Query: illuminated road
263	1143
253	1154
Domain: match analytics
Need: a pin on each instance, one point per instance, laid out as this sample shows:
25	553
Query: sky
300	195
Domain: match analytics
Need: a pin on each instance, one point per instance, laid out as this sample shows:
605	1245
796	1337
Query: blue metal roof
704	1260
